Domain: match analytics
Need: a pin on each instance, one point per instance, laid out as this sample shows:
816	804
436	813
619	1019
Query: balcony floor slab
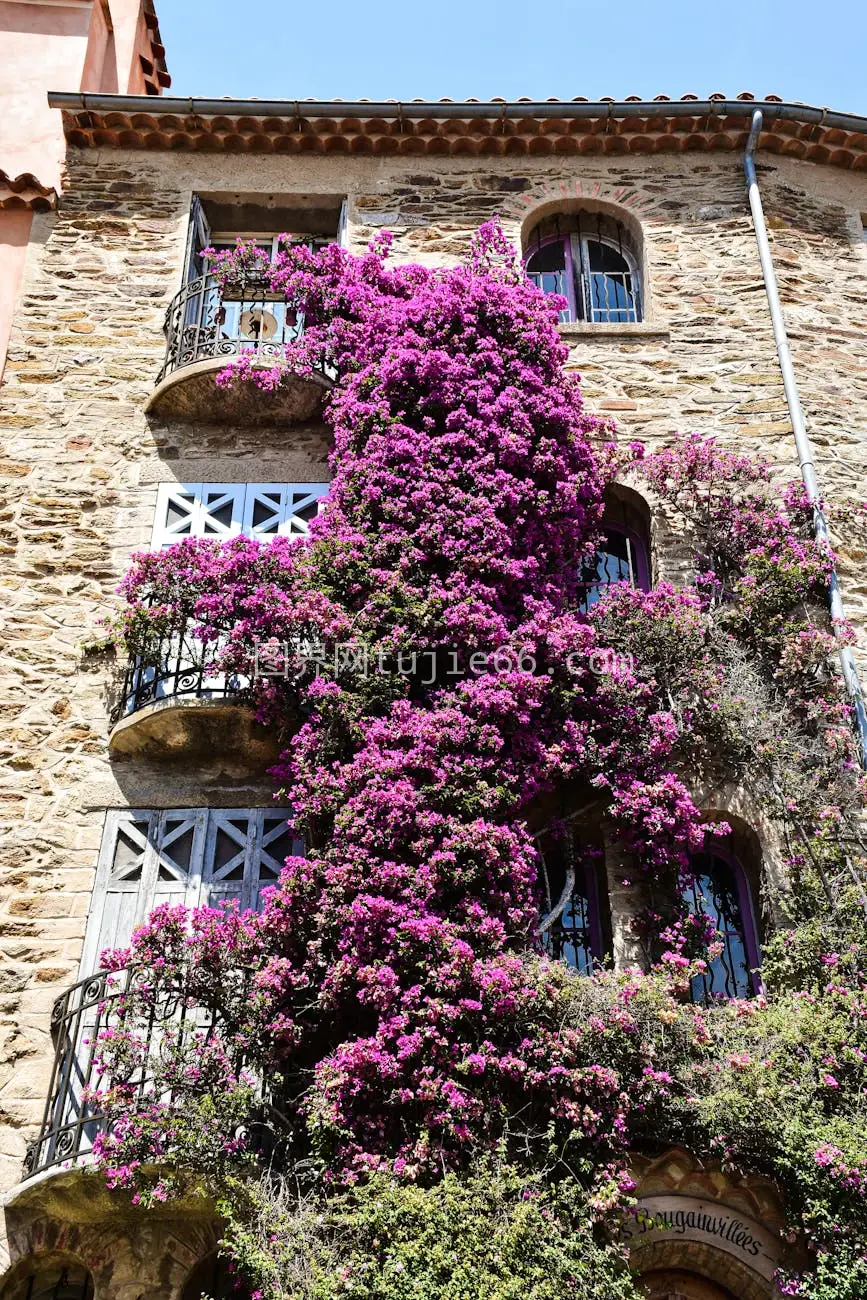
206	733
190	393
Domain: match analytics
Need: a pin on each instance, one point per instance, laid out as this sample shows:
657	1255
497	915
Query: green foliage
495	1234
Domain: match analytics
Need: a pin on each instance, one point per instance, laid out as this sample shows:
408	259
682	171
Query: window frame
749	937
578	277
638	558
586	873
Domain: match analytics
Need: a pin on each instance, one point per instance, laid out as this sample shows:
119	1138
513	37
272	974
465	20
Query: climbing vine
387	1022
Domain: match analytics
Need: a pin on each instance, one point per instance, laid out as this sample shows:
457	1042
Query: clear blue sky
350	49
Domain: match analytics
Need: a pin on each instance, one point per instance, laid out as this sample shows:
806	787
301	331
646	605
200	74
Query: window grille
571	929
721	892
588	260
55	1281
624	555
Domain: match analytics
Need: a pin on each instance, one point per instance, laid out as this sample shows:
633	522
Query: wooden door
673	1284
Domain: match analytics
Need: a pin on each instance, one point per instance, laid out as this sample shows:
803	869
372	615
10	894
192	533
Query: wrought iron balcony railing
203	323
74	1109
176	666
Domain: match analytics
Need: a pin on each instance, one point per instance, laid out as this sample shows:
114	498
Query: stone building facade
114	796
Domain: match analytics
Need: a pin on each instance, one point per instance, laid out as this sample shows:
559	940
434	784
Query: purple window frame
750	935
640	557
574	280
588	878
565	241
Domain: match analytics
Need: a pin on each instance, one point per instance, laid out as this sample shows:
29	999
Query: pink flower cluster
388	992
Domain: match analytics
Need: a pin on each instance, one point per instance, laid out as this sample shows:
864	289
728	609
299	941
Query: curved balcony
81	1019
177	705
74	1114
204	329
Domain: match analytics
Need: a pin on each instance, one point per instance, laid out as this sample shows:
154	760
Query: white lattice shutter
175	518
229	854
125	860
264	509
177	874
303	502
192	856
245	851
147	858
276	844
221	510
213	510
283	509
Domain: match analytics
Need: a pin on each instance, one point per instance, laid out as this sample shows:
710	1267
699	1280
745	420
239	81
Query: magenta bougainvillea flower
391	988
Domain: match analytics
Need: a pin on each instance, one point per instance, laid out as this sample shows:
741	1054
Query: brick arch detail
678	1172
42	1239
630	198
707	1264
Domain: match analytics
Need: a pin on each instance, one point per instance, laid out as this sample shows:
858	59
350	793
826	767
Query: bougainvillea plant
387	1021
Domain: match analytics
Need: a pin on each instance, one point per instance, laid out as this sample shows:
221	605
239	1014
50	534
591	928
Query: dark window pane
570	936
551	257
615	562
715	894
603	257
611	287
547	270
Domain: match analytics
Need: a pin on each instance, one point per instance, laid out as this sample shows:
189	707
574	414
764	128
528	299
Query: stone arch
210	1276
718	1235
756	841
523	210
568	206
71	1218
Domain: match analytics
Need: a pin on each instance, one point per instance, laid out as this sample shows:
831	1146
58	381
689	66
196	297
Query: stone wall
80	461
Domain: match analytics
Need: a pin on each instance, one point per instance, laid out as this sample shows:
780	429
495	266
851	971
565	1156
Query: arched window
624	555
678	1285
572	922
588	259
721	892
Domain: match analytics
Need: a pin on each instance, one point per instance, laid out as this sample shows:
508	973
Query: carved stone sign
391	218
684	1218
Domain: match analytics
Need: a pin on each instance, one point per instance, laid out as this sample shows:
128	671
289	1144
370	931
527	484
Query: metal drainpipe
802	441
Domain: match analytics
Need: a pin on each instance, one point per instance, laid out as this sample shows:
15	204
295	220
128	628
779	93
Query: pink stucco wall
15	226
89	45
60	47
42	48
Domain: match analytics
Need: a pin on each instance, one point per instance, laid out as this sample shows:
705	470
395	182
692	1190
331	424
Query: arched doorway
48	1279
213	1278
672	1284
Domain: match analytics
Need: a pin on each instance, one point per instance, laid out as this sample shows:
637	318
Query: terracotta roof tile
464	128
25	191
